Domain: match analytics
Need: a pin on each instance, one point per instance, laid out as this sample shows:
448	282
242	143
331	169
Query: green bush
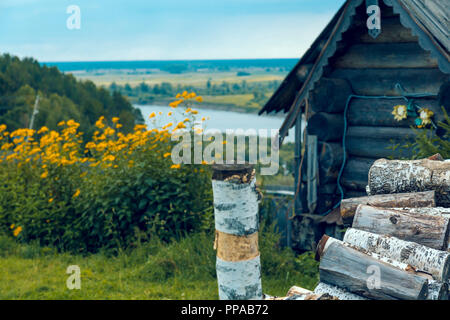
106	193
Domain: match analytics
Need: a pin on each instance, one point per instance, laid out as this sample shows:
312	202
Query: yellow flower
152	115
115	119
17	231
50	200
425	115
184	94
44	175
170	113
400	112
199	99
175	104
12	226
175	166
99	123
76	194
167	154
43	130
194	111
61	123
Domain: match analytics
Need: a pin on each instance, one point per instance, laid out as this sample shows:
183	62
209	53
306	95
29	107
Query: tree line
62	97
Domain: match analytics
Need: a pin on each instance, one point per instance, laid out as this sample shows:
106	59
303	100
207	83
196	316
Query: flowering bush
107	192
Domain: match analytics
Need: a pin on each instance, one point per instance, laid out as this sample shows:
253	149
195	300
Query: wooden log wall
373	67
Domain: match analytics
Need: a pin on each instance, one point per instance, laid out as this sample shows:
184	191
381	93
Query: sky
162	29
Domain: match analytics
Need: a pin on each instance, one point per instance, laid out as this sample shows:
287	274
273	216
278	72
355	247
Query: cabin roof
427	19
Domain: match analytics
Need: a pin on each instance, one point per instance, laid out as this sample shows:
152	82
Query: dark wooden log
427	230
412	200
378	113
384	133
326	126
331	156
356	172
381	82
330	95
386	55
394	176
419	258
352	270
378	148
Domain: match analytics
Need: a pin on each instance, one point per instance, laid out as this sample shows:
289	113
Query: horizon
164	60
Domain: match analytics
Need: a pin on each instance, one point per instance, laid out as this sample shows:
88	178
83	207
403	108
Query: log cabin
340	97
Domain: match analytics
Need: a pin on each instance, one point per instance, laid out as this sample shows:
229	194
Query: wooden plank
427	230
393	176
348	268
381	82
388	56
391	32
419	257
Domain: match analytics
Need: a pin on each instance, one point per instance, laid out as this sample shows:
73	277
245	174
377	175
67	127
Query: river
215	119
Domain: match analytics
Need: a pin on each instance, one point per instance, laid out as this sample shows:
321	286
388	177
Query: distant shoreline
210	106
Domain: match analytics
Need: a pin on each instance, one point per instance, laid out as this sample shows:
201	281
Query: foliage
107	192
62	97
429	142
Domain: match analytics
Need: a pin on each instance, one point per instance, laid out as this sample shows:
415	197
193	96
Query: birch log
420	258
437	211
427	230
236	219
337	292
394	176
415	199
361	274
437	290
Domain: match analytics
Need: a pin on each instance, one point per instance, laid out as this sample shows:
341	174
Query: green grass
179	270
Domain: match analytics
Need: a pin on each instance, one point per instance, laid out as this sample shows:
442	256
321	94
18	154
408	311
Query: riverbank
209	106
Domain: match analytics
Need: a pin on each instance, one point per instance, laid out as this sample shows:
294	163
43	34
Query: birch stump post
236	221
394	176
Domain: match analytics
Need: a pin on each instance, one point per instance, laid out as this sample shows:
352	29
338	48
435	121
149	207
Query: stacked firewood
398	244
